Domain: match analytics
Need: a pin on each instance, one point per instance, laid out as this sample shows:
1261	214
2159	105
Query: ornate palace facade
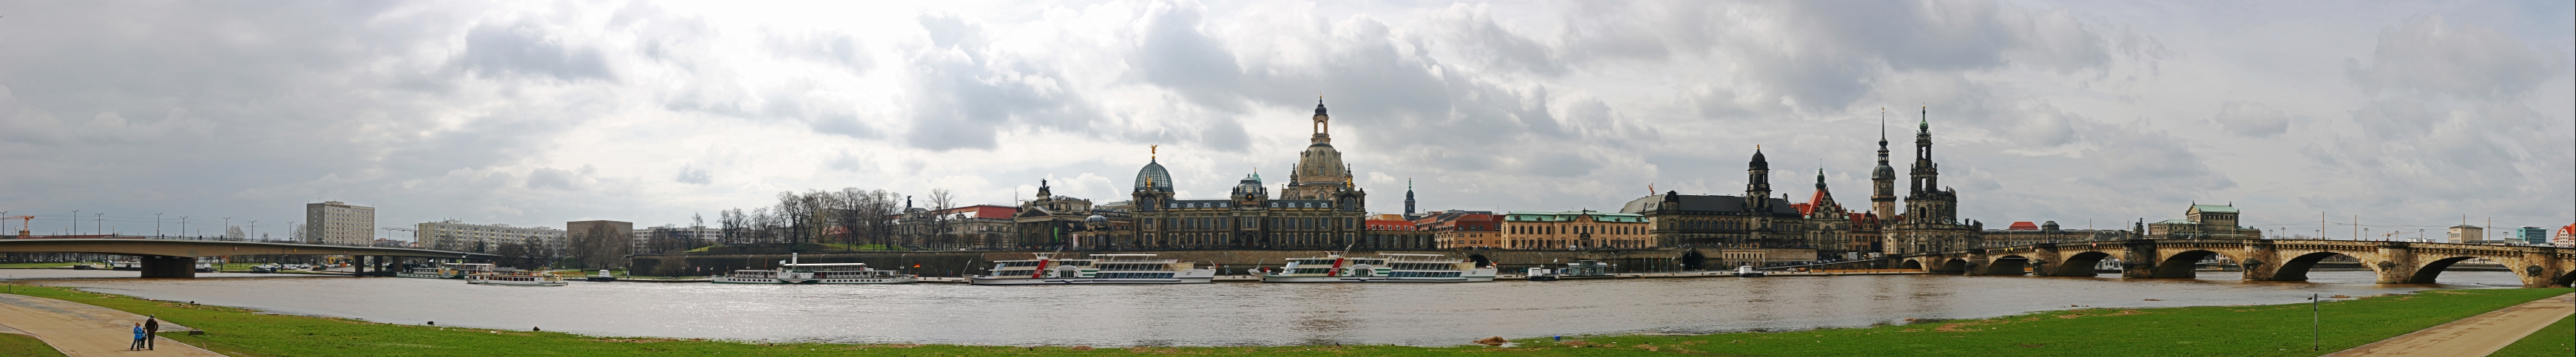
1318	208
1755	220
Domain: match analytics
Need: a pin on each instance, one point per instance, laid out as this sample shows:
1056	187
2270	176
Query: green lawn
2279	330
23	345
2558	340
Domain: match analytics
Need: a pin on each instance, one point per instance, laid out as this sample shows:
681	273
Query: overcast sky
2408	114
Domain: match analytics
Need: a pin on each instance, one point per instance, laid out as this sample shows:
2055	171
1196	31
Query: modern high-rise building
339	223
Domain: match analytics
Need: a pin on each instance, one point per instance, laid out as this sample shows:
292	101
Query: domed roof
1153	176
1883	172
1758	161
1096	219
1251	184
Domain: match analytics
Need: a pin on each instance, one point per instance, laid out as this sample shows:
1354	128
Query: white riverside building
339	223
452	235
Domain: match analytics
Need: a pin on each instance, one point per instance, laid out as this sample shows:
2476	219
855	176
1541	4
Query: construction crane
22	224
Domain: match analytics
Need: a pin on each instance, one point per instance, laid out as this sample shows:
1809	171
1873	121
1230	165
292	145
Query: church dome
1154	177
1096	219
1883	172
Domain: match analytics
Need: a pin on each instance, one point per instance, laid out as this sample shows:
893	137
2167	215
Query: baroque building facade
1755	220
1318	208
1931	220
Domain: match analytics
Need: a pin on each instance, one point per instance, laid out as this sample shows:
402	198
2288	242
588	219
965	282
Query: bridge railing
208	238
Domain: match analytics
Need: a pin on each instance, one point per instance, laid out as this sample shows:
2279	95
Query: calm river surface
1216	314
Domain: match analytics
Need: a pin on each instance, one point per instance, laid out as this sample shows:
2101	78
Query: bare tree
941	200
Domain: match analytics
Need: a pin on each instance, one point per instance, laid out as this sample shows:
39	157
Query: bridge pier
2540	271
155	266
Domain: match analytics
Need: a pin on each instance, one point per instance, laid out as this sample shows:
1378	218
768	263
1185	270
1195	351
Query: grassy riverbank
2280	330
2557	340
23	345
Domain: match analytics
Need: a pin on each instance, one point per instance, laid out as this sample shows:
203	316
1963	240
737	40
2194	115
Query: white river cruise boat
793	272
1099	269
820	273
1386	268
515	277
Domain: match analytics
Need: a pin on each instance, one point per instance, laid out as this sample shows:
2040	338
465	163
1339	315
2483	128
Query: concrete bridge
176	258
2265	260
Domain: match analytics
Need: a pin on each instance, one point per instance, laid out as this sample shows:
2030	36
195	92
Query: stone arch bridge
2262	259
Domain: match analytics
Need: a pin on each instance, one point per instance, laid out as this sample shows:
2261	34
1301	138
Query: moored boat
460	270
1747	271
1579	269
1386	268
1097	269
515	277
793	272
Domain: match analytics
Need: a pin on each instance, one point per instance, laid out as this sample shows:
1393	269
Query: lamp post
227	232
99	224
156	225
75	226
183	224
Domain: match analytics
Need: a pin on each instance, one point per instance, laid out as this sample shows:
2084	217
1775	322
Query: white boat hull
524	283
1065	281
735	280
1194	276
1372	279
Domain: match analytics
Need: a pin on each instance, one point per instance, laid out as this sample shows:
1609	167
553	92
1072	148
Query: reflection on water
1227	313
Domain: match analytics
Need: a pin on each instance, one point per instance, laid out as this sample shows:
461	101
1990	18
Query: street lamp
99	224
156	225
183	224
75	226
228	228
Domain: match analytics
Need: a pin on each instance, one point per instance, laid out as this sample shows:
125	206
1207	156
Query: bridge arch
2005	265
1481	261
1912	264
2079	264
2182	265
2433	269
2568	279
1692	260
2296	268
1952	266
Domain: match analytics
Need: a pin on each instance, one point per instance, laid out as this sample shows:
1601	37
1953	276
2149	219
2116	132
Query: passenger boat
792	272
1098	269
2107	265
835	273
460	270
1578	269
1386	268
515	277
1747	271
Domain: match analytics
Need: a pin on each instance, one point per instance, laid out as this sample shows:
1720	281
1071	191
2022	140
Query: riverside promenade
2474	336
79	329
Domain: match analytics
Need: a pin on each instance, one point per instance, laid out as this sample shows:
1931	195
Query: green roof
2177	221
2214	208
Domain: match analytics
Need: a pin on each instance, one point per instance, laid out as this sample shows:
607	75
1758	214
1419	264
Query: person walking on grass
151	330
138	338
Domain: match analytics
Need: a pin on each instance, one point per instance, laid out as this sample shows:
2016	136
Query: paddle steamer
1098	269
1386	268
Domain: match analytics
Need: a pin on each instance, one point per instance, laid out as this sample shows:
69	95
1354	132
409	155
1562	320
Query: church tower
1882	200
1408	199
1757	184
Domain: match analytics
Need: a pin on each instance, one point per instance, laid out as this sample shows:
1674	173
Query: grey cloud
524	49
966	95
1175	54
2429	56
1483	38
560	179
2253	120
693	175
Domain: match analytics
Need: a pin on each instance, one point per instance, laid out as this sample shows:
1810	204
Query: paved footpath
84	330
2474	336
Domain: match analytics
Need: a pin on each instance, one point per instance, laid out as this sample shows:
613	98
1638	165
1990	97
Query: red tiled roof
2023	226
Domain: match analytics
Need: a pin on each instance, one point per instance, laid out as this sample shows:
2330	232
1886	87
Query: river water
1221	313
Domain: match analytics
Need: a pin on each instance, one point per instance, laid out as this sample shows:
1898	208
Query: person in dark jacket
151	330
138	338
